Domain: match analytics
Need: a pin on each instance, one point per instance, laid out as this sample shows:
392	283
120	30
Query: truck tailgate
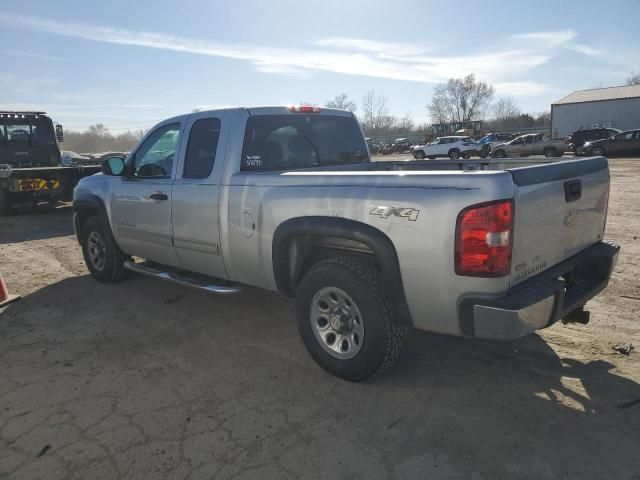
560	209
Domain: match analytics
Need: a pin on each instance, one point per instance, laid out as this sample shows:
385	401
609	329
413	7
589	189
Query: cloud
546	39
20	53
344	55
392	49
585	49
521	88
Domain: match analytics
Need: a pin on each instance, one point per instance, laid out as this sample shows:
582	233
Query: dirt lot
144	379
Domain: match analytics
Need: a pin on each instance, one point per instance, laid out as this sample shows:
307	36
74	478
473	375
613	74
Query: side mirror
59	133
113	166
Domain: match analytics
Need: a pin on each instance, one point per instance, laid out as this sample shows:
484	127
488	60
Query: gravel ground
143	379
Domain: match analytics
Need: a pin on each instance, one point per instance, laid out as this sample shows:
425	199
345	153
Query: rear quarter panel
259	202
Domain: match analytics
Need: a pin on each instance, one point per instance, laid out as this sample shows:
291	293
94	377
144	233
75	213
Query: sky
129	64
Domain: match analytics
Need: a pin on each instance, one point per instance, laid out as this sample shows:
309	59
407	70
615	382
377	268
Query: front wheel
597	151
549	152
102	256
454	154
345	320
501	154
418	155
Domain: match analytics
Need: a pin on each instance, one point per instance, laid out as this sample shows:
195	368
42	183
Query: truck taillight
483	239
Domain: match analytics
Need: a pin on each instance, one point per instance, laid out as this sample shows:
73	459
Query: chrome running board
200	283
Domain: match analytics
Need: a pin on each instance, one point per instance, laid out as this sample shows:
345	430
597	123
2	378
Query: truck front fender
87	205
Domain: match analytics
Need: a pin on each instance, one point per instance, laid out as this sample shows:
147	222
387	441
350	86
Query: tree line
457	100
98	138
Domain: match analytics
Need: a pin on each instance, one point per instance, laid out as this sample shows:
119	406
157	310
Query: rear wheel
102	256
454	154
550	152
598	151
345	320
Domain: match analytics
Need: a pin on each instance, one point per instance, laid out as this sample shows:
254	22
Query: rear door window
201	149
285	142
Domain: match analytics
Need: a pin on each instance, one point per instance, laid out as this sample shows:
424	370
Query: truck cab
28	139
30	162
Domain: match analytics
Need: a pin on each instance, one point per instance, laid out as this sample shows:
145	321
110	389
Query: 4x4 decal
402	212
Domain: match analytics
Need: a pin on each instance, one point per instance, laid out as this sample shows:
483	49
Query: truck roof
10	112
266	110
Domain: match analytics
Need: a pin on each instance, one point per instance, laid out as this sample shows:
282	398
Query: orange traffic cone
5	298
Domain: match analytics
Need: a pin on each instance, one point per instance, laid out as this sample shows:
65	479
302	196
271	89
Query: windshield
284	142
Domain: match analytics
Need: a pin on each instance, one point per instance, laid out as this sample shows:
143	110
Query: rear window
285	142
26	131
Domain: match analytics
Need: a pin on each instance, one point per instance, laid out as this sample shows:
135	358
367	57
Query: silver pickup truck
287	199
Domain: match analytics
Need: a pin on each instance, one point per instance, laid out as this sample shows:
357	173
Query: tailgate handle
572	190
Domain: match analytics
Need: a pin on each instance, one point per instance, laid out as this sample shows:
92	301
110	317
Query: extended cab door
141	199
196	190
517	147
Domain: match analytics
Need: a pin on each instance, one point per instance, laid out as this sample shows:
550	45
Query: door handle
158	196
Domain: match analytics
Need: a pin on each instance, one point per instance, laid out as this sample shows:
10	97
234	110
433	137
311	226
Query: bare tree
543	119
342	102
374	112
633	79
405	124
98	130
505	109
460	100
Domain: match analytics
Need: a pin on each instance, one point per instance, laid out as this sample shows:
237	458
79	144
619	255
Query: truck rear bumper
544	299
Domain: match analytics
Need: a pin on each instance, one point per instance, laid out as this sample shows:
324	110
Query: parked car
624	143
453	147
287	199
530	144
70	159
401	145
578	138
486	142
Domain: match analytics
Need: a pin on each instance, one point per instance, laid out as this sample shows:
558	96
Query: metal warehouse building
615	107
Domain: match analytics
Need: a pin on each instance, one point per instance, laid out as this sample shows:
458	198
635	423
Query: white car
453	147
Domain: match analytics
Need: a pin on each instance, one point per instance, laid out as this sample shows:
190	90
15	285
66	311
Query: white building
614	107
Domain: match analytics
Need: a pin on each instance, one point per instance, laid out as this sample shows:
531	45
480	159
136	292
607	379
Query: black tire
500	154
5	209
454	154
483	154
383	338
111	268
418	155
550	152
597	151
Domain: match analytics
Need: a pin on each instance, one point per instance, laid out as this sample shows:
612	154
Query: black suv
578	138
